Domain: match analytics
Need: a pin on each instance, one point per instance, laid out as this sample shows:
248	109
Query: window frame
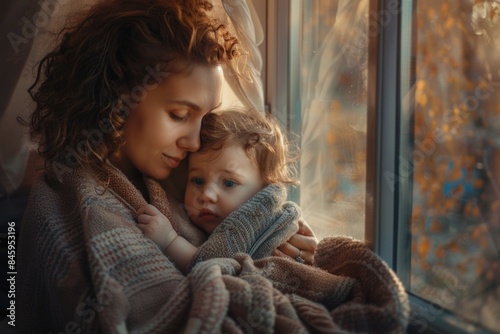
282	82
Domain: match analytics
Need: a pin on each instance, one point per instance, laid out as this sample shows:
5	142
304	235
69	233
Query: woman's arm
158	228
302	244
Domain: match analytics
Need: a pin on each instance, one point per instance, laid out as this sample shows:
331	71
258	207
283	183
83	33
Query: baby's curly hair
259	135
115	48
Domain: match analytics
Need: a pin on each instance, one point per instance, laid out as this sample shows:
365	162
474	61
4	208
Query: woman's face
165	125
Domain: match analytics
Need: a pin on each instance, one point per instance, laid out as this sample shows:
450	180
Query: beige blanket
84	265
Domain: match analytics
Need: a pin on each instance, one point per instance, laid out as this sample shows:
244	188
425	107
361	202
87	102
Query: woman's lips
172	162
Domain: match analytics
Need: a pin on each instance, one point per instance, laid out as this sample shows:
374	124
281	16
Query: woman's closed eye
178	116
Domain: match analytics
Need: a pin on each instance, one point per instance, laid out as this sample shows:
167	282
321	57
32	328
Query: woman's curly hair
259	135
113	49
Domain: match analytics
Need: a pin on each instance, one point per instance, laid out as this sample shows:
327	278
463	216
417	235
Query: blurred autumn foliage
455	223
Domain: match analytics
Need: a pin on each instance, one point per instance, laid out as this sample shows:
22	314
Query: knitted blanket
84	266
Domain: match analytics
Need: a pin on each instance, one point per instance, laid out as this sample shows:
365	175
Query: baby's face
218	183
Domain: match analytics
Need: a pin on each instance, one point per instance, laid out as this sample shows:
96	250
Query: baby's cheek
188	206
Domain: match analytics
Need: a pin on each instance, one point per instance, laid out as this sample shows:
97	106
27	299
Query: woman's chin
159	175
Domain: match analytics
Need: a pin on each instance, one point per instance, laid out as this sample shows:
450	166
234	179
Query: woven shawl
84	266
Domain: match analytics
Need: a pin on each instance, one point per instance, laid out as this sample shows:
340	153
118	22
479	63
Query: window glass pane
333	64
455	223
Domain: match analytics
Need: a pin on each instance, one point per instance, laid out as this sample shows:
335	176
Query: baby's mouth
207	214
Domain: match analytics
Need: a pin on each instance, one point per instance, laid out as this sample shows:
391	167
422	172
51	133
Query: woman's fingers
305	229
292	251
302	245
289	250
279	253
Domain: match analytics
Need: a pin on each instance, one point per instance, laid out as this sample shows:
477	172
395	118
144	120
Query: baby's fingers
148	209
145	219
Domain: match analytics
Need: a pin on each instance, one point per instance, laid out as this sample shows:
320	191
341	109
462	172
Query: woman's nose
191	141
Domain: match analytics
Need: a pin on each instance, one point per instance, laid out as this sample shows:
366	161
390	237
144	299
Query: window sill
428	318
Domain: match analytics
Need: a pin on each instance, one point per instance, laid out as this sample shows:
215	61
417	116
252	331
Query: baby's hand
155	226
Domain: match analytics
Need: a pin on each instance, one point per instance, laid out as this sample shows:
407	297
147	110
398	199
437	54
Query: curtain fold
244	74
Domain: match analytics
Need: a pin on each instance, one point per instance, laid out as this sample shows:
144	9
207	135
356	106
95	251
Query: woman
119	104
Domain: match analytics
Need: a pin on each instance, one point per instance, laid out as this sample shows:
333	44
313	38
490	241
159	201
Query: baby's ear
175	184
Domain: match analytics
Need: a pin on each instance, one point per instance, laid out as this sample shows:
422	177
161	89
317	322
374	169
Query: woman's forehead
198	89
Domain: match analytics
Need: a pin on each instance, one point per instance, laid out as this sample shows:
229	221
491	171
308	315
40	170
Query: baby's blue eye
229	183
197	181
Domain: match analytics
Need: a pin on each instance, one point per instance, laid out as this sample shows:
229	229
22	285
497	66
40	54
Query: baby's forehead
203	156
207	158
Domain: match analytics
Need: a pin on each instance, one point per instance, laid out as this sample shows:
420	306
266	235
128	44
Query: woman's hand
301	245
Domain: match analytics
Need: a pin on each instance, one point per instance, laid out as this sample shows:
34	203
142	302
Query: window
454	158
397	104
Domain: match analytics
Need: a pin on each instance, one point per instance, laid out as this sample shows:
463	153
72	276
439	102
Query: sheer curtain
334	54
244	74
28	25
